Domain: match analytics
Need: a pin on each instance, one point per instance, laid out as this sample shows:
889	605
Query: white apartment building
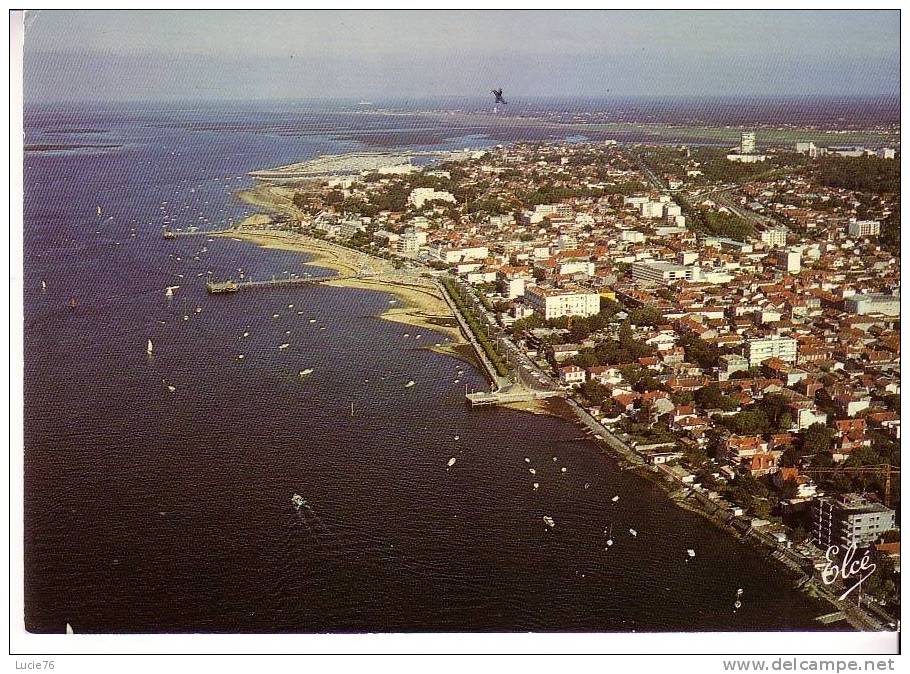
776	236
663	273
864	228
759	350
747	142
652	209
552	303
873	303
576	267
412	239
453	255
542	211
512	288
789	261
631	236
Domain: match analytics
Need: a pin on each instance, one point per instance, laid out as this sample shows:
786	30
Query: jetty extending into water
231	286
169	233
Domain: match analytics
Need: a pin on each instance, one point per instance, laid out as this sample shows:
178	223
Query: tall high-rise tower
747	142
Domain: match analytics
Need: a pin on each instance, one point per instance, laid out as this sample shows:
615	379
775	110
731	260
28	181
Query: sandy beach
418	304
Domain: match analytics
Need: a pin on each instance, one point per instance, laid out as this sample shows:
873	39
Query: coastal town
727	320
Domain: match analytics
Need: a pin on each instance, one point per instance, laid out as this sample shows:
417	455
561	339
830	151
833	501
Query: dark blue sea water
148	510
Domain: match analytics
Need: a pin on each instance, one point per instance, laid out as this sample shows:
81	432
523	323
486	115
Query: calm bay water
154	511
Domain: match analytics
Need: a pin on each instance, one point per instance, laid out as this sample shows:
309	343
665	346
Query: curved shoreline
420	305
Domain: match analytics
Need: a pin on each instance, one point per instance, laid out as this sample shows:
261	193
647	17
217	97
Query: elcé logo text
848	568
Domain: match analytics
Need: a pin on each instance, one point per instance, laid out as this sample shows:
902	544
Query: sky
250	55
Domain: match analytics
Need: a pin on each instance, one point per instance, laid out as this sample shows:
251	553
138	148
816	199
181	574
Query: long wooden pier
169	233
231	286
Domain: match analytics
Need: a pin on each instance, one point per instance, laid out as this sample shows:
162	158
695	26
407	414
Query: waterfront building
760	350
571	375
454	255
850	519
553	302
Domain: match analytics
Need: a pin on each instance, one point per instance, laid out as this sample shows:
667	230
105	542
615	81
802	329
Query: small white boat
409	384
298	501
307	371
149	348
312	320
451	462
240	357
633	532
69	628
275	315
169	292
171	388
43	288
458	437
536	485
690	552
246	334
527	460
563	469
405	335
283	346
532	471
198	310
549	521
417	336
615	499
290	306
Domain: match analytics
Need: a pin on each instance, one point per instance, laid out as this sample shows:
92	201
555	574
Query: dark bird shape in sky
499	98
